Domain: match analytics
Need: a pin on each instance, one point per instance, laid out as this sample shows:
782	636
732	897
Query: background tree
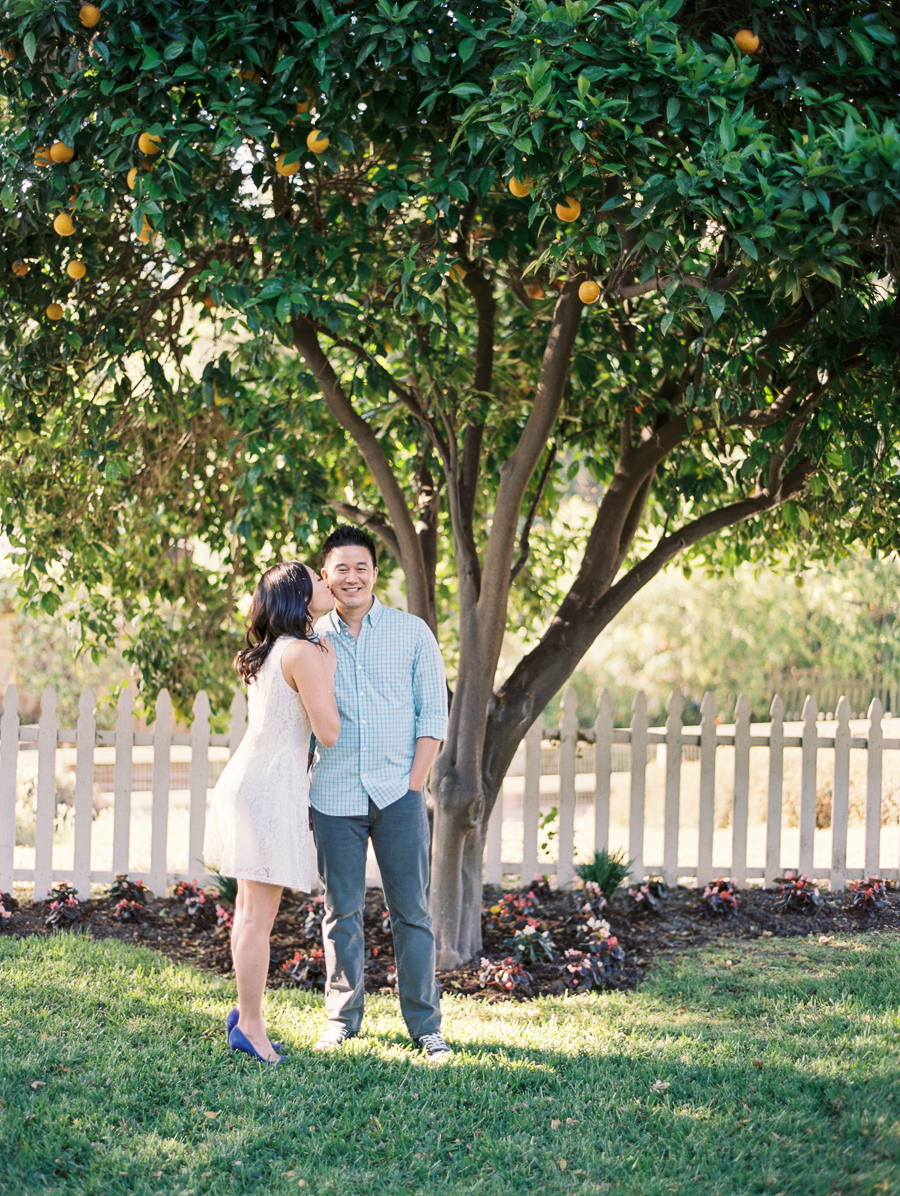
500	243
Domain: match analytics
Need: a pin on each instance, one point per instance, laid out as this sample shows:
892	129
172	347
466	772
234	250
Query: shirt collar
373	614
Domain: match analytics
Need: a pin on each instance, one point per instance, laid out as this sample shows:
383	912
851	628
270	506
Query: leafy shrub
224	917
592	899
797	893
507	975
226	887
196	902
131	911
129	890
530	944
607	871
584	970
649	896
868	896
64	907
719	898
306	969
513	910
8	903
540	887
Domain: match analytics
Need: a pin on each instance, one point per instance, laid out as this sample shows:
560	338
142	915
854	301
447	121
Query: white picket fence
684	850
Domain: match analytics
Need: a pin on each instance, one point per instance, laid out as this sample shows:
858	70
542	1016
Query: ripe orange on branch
42	156
89	15
317	142
54	311
63	225
746	41
8	53
520	190
570	210
76	269
149	143
457	272
60	152
589	292
307	105
535	291
282	169
20	268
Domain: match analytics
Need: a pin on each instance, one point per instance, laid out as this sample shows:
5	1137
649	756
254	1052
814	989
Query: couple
373	692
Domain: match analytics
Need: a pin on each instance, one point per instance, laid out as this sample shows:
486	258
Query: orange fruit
149	143
251	75
76	269
8	53
457	272
535	291
42	156
317	142
307	105
589	292
746	41
146	232
520	190
281	169
20	268
60	152
559	283
209	302
132	178
570	210
63	225
54	311
89	15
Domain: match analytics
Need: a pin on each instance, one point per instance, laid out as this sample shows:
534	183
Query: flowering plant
64	906
797	893
224	917
584	970
868	895
130	890
719	897
131	911
315	912
306	969
197	904
529	944
513	910
505	974
5	914
649	896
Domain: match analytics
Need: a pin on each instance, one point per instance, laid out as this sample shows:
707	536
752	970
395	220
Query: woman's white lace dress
258	825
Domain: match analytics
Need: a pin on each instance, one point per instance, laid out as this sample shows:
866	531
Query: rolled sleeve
429	688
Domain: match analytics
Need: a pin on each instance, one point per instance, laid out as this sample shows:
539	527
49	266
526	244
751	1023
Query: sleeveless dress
258	825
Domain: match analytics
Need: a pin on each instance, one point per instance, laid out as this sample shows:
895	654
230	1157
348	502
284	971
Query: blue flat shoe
238	1041
231	1020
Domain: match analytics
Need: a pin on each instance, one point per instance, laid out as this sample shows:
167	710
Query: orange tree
429	268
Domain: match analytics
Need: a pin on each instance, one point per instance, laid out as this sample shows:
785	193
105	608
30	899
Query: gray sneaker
334	1038
435	1048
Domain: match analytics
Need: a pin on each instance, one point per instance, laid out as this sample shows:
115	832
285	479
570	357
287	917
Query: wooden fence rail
558	807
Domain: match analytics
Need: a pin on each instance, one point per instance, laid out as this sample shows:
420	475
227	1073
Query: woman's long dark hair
280	606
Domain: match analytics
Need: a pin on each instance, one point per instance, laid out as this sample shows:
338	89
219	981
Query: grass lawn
764	1068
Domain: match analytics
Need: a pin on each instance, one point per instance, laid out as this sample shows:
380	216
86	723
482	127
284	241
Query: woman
258	828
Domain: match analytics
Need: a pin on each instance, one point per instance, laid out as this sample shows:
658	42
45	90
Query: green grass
768	1068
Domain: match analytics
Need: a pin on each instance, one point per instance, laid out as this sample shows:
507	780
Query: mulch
682	924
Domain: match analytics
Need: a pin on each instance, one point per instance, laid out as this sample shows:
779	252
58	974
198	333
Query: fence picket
671	817
807	818
159	813
741	800
706	813
637	800
122	782
568	755
774	797
603	739
873	789
9	755
199	781
45	811
85	737
840	797
531	800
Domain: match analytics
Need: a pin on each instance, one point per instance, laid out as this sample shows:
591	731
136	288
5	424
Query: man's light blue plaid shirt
391	690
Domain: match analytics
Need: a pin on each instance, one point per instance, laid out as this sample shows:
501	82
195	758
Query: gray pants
399	835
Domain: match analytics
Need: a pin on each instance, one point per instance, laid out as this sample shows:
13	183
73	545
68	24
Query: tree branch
370	520
524	546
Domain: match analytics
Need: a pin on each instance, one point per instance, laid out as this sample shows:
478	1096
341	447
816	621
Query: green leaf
727	134
467	48
747	245
421	52
716	304
29	45
466	90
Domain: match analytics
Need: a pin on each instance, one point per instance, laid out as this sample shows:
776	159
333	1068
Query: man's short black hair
346	533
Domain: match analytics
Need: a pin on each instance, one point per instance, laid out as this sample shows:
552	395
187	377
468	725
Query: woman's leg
254	914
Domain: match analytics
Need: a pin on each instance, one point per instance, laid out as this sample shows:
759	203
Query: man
392	696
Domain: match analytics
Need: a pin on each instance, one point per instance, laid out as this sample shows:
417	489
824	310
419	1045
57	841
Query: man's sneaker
435	1048
334	1037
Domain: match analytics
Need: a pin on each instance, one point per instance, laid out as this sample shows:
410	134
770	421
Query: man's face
350	575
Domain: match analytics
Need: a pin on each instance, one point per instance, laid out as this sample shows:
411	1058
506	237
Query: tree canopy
420	266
